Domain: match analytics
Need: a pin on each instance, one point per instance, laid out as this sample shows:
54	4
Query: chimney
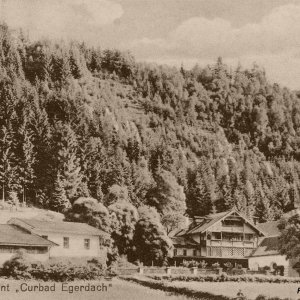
198	219
188	221
255	220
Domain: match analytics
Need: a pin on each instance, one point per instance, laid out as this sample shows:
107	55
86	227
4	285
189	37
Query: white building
71	239
267	253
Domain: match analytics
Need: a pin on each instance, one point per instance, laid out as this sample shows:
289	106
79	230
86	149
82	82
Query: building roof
62	227
267	247
183	241
269	228
12	235
209	220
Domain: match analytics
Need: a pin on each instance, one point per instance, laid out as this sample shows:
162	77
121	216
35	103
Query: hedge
20	267
224	277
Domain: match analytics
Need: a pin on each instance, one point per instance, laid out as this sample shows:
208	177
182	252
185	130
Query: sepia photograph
150	149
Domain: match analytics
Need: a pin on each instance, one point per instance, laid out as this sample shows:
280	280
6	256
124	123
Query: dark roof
268	246
206	222
184	241
269	228
63	227
12	235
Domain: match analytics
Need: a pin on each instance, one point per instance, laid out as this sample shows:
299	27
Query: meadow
250	289
118	290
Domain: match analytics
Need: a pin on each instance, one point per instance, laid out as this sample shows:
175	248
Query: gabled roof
60	227
11	235
209	220
267	247
270	228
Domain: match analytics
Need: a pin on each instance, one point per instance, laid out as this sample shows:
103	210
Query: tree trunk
3	193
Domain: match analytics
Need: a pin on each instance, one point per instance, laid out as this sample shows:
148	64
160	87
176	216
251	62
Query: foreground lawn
250	289
119	290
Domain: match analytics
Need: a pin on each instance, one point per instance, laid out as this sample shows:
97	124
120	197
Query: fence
181	271
167	271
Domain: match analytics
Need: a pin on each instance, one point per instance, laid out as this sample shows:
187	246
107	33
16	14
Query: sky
174	32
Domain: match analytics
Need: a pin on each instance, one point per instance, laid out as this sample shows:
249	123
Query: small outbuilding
14	239
267	254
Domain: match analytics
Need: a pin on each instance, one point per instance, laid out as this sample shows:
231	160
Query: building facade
71	239
222	236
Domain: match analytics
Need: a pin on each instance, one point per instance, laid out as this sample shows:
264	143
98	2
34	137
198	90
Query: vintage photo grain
150	149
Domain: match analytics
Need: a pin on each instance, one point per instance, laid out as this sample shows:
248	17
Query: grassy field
250	289
119	290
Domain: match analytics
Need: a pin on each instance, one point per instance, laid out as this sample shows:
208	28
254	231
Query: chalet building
13	239
227	236
69	239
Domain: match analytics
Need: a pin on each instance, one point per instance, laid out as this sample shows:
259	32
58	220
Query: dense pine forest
101	137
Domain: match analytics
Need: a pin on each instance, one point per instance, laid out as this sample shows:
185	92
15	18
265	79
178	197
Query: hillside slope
77	121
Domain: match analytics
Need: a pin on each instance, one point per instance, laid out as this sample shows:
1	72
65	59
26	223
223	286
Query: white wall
76	245
261	261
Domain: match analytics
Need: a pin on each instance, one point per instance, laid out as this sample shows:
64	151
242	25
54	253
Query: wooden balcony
227	243
230	252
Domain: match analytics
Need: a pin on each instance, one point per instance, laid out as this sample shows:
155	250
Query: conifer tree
68	162
27	162
59	201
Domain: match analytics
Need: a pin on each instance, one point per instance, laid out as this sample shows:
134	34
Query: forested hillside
83	122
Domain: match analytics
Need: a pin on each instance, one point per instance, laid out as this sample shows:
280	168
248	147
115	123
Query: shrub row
224	277
159	285
262	297
20	267
173	289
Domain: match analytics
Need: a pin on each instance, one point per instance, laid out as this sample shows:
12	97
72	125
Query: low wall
167	271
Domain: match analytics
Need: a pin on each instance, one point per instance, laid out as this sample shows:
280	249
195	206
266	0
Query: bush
20	267
228	266
190	264
262	297
266	268
17	267
224	277
215	265
203	264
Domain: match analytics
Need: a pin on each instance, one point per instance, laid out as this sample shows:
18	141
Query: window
175	252
66	242
87	243
45	237
249	237
184	252
194	252
216	235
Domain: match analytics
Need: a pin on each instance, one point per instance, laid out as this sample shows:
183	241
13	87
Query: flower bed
225	277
